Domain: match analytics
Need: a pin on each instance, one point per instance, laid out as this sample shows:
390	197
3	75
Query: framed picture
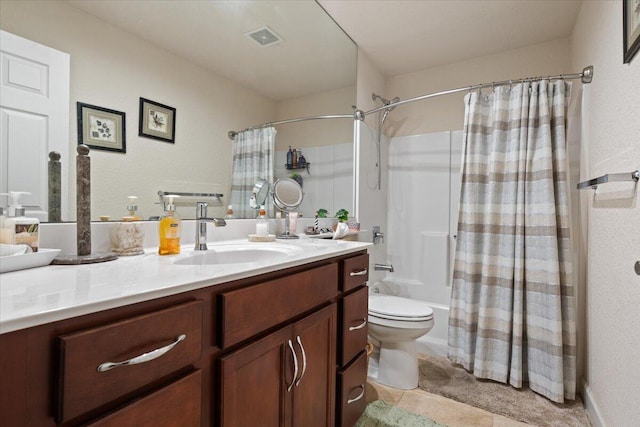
101	128
157	121
631	28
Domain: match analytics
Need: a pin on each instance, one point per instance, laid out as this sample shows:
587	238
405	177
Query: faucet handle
219	222
201	210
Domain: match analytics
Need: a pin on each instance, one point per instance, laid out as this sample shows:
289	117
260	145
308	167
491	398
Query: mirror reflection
199	58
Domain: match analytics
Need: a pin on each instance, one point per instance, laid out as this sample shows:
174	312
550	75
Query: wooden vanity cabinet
352	340
236	366
284	379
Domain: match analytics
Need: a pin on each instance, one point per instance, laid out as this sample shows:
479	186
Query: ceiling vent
264	36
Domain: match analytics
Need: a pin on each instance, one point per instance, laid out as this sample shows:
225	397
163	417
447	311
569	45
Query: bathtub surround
512	306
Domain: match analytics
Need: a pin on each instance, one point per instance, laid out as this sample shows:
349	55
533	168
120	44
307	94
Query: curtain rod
586	76
232	133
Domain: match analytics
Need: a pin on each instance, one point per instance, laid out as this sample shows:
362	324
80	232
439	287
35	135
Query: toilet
395	323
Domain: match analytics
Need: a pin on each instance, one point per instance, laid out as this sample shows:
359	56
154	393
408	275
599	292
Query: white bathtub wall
424	188
328	184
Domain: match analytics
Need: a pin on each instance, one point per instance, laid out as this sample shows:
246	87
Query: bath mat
439	376
380	414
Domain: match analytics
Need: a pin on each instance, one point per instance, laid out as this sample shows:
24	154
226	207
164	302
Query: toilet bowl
395	323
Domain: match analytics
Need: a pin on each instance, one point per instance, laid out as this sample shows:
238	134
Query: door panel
314	397
34	91
253	383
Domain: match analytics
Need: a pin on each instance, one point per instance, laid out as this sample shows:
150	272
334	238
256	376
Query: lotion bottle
170	229
262	223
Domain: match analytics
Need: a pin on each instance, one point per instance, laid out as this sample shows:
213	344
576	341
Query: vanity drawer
354	324
248	311
174	333
355	272
352	383
178	404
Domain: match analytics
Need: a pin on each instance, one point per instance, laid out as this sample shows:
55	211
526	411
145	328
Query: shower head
385	101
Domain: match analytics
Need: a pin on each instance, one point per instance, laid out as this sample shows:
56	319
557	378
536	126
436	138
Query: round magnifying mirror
287	194
259	194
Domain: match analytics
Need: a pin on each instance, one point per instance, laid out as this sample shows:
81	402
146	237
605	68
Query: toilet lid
398	308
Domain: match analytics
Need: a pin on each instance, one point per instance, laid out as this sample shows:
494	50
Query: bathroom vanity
270	343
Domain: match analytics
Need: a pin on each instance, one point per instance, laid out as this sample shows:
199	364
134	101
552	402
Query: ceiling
398	36
403	36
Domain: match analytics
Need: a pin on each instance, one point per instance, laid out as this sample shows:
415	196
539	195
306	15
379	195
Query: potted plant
342	215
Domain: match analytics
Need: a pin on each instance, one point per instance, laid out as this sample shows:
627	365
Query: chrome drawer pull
358	273
143	358
295	366
304	361
360	326
360	396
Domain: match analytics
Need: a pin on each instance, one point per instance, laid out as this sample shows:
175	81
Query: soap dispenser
132	207
17	229
170	229
262	223
127	237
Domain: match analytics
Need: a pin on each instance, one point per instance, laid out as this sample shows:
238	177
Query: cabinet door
354	324
254	382
177	404
352	382
314	391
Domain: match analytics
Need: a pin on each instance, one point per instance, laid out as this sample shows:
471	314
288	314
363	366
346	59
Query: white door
34	120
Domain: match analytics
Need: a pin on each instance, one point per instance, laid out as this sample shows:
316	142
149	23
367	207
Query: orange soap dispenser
170	229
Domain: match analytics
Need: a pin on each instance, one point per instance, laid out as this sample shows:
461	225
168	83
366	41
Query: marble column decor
55	187
83	200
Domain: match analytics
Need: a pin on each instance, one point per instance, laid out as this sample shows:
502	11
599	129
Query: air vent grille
264	36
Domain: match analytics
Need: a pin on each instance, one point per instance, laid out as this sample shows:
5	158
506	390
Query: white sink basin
240	253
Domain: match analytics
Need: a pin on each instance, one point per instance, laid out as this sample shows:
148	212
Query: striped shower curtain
512	315
253	152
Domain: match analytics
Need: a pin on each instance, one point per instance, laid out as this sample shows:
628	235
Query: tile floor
438	408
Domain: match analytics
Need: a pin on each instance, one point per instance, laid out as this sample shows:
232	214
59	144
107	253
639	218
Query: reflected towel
8	250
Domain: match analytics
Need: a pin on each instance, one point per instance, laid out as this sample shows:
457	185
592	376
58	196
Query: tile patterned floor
438	408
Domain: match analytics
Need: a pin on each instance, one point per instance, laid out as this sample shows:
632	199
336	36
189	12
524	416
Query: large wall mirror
198	57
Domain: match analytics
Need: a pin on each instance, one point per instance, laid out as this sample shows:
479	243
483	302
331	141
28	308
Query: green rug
381	414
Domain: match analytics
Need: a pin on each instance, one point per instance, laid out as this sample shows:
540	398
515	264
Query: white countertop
41	295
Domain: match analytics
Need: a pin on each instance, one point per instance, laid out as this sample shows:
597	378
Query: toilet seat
397	308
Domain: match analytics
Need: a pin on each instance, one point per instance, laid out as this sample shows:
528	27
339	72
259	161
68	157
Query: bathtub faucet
383	267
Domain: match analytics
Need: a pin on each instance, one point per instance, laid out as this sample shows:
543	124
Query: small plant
322	213
342	215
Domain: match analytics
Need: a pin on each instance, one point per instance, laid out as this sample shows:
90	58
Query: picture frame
101	128
157	121
631	29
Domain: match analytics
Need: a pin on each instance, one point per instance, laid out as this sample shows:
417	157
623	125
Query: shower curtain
512	315
253	152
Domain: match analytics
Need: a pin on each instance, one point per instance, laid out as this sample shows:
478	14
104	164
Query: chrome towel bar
610	177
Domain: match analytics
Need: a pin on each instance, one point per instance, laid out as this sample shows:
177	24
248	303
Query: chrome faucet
378	236
383	267
201	225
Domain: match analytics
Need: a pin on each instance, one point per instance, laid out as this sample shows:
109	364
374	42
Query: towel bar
610	177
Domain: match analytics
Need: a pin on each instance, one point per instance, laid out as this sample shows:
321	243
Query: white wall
371	200
447	112
112	69
317	132
612	371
